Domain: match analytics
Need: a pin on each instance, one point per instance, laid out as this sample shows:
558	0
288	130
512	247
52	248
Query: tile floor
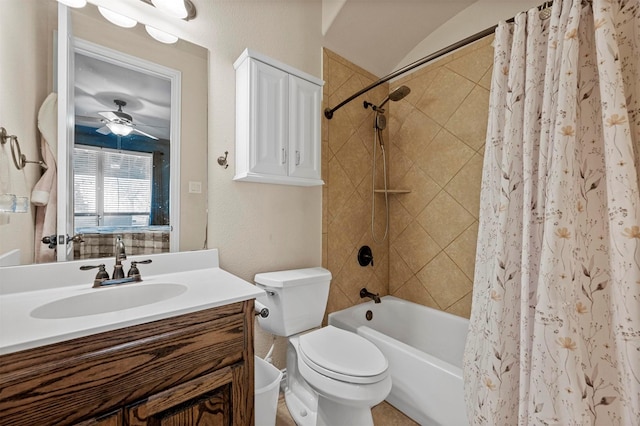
384	414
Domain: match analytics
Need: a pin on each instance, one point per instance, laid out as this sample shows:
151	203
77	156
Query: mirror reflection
122	152
138	148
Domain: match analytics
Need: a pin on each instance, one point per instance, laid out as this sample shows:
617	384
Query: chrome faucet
365	293
121	254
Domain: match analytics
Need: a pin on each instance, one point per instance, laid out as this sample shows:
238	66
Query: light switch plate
195	187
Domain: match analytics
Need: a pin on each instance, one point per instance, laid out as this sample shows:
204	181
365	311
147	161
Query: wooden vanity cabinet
194	369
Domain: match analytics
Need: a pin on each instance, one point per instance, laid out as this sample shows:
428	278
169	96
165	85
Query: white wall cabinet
277	122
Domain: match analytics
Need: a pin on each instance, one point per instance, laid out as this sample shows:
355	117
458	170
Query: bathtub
424	348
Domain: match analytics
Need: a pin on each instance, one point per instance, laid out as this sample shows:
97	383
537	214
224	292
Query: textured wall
435	143
347	152
437	135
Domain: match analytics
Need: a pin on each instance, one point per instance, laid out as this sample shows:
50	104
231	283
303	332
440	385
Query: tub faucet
364	293
121	254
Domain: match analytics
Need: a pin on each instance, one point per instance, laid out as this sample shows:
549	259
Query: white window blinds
112	188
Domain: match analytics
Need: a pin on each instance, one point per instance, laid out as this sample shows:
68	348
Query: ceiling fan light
119	128
161	36
73	3
175	8
117	19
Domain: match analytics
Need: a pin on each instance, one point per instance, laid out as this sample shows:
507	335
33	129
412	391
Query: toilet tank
296	299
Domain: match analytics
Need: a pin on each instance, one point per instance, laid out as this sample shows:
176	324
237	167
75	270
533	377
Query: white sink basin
103	300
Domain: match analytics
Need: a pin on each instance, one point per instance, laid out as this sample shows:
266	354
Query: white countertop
25	288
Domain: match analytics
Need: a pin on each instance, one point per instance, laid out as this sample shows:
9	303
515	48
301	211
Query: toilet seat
343	356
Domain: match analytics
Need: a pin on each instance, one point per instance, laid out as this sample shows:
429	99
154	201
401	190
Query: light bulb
73	3
175	8
119	128
161	36
116	18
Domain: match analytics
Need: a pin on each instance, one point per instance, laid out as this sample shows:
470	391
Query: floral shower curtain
554	335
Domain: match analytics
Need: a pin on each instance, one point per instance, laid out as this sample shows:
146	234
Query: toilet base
331	413
303	412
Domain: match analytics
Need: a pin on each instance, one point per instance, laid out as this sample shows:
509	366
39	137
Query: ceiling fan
119	122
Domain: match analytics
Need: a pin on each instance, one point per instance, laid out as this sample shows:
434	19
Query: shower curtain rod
328	112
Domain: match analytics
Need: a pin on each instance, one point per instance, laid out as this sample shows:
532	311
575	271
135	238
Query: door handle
76	239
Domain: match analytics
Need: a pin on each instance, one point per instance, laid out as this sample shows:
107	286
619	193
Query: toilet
333	376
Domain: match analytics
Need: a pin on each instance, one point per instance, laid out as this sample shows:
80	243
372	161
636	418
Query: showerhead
396	95
399	93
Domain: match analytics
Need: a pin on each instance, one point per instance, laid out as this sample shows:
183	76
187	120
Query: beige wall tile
463	250
444	95
416	133
485	81
354	218
414	291
399	165
416	247
474	64
444	219
338	248
339	188
466	124
355	159
444	157
462	307
399	272
444	280
423	190
422	157
400	217
465	186
347	175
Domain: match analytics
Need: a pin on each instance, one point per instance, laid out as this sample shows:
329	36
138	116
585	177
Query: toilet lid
343	355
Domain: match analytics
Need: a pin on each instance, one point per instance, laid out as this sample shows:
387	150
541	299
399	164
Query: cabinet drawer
204	400
75	380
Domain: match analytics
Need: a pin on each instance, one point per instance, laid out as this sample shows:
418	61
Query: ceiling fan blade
145	134
109	115
104	130
86	118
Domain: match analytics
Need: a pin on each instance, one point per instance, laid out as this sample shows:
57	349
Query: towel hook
19	159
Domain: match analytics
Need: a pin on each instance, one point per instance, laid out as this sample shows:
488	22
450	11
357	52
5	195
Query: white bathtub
424	348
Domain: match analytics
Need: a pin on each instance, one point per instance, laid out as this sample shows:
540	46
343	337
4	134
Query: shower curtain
554	335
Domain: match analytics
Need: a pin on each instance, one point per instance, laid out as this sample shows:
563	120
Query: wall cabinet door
304	128
268	124
277	122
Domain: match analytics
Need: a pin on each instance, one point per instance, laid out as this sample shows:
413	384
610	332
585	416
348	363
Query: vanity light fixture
175	8
161	36
117	19
119	128
73	3
182	9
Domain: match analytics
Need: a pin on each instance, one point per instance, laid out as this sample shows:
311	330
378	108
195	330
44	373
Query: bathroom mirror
172	167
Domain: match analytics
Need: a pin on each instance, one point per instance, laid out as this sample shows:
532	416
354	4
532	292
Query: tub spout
364	293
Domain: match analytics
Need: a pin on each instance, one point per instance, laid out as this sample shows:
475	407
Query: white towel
44	193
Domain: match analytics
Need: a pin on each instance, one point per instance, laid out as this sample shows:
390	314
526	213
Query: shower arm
328	112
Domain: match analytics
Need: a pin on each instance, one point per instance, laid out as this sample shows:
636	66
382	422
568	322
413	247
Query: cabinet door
111	419
304	128
202	401
268	122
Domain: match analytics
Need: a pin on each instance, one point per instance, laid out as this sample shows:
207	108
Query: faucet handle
134	271
101	276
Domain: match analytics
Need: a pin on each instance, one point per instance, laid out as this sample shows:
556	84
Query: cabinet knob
297	158
284	156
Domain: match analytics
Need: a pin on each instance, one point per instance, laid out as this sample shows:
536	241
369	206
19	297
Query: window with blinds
111	188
